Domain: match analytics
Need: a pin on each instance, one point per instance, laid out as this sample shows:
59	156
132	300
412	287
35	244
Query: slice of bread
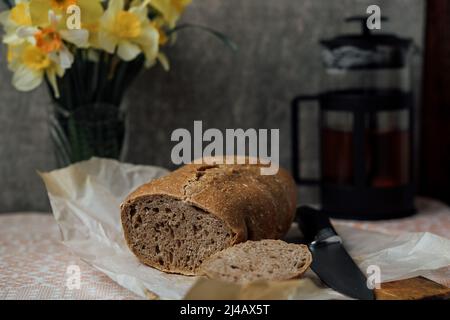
272	260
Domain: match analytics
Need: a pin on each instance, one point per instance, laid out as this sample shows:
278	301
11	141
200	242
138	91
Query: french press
366	127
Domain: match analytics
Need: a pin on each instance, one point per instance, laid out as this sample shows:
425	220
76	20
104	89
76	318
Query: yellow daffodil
171	10
49	39
20	14
17	17
30	64
40	44
91	10
45	54
130	32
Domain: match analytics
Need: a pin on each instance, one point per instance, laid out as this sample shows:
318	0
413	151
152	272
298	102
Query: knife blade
331	262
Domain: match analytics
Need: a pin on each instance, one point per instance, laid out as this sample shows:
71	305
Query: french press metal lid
365	50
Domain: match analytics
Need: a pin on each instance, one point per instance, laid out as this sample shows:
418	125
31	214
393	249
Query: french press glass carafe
366	127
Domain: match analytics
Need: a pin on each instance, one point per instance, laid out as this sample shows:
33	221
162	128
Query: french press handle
296	141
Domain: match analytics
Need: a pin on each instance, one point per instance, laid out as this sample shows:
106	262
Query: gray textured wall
278	58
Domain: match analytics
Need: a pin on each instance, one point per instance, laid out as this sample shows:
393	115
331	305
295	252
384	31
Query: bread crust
251	205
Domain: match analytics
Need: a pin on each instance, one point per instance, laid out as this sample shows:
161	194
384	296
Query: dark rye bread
176	222
271	260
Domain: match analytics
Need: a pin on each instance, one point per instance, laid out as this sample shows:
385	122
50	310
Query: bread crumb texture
272	260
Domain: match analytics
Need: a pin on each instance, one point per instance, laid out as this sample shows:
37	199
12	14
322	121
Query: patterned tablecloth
35	265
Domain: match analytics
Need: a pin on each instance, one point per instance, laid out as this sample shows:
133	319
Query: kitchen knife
331	262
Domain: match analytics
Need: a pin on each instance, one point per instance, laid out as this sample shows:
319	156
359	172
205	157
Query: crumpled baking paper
85	199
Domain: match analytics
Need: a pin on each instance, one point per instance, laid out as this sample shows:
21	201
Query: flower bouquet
88	52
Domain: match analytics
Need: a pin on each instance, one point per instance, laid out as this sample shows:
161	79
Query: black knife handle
314	224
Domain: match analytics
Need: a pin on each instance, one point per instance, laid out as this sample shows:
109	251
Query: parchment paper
85	199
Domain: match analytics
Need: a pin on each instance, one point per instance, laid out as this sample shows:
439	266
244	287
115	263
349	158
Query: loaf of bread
271	260
176	222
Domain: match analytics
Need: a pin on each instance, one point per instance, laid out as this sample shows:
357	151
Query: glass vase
93	130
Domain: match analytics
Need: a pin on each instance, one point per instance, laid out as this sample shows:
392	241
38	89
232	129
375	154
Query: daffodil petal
12	38
141	11
14	51
91	10
25	32
80	38
51	76
54	57
149	41
107	42
65	58
114	7
39	12
128	51
25	79
162	58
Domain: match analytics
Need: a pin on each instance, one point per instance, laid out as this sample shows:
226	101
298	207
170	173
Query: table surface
34	264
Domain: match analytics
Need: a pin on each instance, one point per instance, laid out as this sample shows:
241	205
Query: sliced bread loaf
176	222
258	260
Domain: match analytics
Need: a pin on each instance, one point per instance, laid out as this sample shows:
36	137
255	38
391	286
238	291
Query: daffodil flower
17	17
40	44
130	32
30	64
49	39
45	54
